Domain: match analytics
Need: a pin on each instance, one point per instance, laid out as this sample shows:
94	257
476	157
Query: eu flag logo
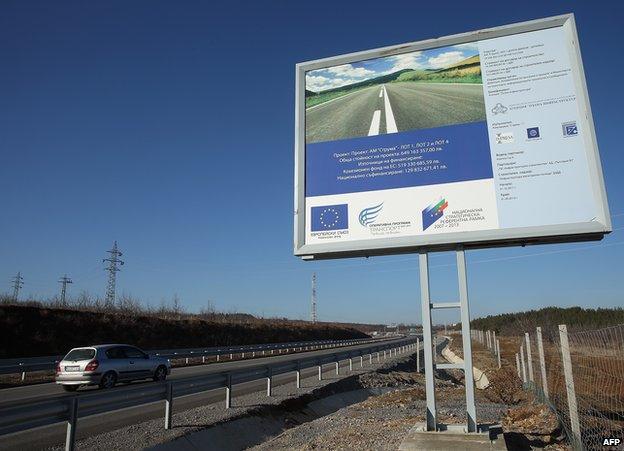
330	217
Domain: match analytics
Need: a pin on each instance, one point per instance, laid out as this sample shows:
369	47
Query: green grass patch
317	99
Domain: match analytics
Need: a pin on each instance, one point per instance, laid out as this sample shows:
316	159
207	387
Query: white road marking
390	123
381	93
374	127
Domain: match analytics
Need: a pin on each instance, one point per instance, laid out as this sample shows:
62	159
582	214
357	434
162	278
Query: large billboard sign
473	140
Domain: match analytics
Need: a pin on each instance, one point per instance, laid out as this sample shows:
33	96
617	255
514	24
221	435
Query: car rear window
80	354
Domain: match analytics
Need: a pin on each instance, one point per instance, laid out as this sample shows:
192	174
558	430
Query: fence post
417	355
320	372
540	350
350	364
518	365
569	380
168	405
370	358
529	358
70	436
337	368
498	353
494	342
361	362
228	391
524	376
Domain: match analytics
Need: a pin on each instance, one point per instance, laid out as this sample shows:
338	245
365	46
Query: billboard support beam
427	306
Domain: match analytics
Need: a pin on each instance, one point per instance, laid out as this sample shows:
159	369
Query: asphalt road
96	424
395	107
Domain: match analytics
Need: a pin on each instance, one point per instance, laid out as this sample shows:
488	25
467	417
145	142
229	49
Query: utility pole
64	281
112	269
18	282
313	310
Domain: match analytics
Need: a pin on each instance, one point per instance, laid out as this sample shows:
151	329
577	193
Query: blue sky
169	128
346	74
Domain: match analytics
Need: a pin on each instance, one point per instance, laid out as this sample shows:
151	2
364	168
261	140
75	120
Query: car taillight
58	368
92	365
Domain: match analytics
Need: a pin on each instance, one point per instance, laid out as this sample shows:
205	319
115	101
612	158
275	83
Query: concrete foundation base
453	437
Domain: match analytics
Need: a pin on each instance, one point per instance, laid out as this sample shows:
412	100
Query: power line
313	310
18	282
112	269
64	281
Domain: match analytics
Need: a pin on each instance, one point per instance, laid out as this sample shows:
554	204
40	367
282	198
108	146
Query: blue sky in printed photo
345	74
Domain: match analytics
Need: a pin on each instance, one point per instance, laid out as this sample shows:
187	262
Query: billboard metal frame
585	231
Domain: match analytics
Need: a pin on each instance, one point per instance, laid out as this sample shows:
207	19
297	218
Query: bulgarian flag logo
433	212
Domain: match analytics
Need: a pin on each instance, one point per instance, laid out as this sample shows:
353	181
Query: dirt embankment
33	331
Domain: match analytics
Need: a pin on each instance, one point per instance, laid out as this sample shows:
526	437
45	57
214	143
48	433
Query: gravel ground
152	433
382	422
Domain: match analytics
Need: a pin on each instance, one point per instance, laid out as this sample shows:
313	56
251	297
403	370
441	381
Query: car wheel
108	380
160	374
71	387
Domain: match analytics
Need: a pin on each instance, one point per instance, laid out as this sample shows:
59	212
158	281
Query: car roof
105	346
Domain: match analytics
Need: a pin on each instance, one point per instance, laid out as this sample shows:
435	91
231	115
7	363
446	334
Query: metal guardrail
32	414
30	364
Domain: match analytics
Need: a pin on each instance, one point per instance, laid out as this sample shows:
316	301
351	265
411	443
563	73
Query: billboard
473	140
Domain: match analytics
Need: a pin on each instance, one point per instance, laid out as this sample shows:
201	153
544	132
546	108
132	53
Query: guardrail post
186	361
269	380
540	351
384	354
253	355
370	358
350	364
337	368
378	360
70	436
228	391
218	355
243	355
361	362
298	376
569	381
231	356
320	372
168	405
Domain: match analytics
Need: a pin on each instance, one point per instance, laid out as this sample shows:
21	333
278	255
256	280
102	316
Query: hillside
550	317
27	331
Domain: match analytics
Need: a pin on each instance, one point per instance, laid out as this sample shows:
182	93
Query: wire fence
580	375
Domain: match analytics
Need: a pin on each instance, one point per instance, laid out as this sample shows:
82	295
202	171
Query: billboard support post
427	306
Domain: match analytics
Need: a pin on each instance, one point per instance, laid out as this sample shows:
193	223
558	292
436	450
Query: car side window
133	353
115	353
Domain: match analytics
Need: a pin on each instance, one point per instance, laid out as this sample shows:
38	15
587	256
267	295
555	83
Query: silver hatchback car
105	365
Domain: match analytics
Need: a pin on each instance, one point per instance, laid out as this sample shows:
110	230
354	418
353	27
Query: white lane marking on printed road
381	93
390	123
374	127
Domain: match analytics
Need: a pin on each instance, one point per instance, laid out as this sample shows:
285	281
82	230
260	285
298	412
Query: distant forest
576	318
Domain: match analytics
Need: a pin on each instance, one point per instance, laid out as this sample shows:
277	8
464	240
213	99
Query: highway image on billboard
484	136
428	89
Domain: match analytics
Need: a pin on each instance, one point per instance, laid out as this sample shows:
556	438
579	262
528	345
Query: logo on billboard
504	138
369	215
499	108
330	217
569	129
533	132
433	212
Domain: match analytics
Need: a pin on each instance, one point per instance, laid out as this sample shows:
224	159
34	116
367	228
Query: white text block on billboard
482	136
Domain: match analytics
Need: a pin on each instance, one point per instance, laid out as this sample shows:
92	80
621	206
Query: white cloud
348	71
405	61
319	83
470	46
446	59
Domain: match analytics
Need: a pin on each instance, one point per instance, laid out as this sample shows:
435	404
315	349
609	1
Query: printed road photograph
416	90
